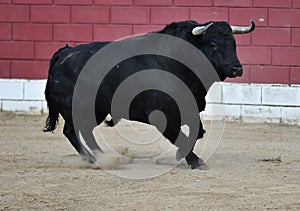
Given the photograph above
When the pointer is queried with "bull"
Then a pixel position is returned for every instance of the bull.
(214, 39)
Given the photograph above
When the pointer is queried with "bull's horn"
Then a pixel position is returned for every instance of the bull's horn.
(200, 29)
(243, 29)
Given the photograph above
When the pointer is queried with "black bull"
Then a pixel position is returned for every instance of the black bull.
(214, 39)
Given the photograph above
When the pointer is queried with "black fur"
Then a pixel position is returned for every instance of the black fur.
(217, 43)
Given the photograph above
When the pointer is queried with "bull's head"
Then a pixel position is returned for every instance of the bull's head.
(235, 29)
(217, 42)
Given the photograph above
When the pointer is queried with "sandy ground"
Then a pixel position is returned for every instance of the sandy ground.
(41, 171)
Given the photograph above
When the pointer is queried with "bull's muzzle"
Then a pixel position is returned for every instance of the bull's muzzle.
(237, 71)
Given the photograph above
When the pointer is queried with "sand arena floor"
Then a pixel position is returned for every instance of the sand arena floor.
(256, 167)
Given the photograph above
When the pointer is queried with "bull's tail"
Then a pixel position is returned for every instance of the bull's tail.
(52, 118)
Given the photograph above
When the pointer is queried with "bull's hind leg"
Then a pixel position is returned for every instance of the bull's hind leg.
(69, 132)
(88, 136)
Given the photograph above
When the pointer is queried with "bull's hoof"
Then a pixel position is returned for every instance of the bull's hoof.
(199, 164)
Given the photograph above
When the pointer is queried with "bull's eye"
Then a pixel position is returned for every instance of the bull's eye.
(213, 45)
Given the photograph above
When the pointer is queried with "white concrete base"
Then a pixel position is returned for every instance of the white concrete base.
(22, 95)
(230, 101)
(254, 103)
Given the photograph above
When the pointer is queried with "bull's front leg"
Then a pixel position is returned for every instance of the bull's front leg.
(201, 131)
(185, 150)
(186, 145)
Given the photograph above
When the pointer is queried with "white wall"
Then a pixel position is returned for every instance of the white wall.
(254, 103)
(237, 102)
(22, 95)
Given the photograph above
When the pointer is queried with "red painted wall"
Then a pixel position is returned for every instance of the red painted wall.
(32, 30)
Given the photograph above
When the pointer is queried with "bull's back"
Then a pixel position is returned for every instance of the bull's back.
(65, 67)
(69, 61)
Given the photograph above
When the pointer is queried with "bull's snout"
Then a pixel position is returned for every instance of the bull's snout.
(237, 71)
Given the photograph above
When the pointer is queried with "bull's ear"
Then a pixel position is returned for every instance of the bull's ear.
(201, 29)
